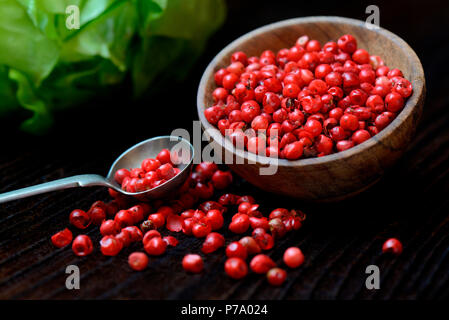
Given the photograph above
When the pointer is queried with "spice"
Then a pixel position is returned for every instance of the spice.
(193, 263)
(236, 268)
(82, 245)
(393, 246)
(138, 261)
(62, 238)
(276, 276)
(194, 217)
(281, 104)
(293, 257)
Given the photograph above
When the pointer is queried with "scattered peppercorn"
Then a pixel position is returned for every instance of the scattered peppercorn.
(393, 246)
(276, 276)
(193, 263)
(293, 257)
(138, 261)
(129, 222)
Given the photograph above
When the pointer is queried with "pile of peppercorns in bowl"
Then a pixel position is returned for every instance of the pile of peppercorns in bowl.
(306, 101)
(123, 221)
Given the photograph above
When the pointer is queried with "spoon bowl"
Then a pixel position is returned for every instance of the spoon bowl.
(182, 155)
(133, 157)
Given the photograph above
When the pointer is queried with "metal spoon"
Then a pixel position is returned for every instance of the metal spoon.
(131, 158)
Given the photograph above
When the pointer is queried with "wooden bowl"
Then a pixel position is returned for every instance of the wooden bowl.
(343, 174)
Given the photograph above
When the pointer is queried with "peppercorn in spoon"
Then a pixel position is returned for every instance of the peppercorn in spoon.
(181, 150)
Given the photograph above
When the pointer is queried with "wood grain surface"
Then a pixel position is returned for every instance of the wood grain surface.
(339, 240)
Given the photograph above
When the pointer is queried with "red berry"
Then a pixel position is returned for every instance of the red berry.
(236, 67)
(361, 56)
(344, 145)
(240, 224)
(166, 171)
(97, 215)
(236, 268)
(192, 263)
(206, 169)
(367, 75)
(350, 80)
(244, 207)
(125, 237)
(403, 87)
(201, 229)
(137, 173)
(383, 120)
(347, 43)
(393, 246)
(221, 179)
(220, 94)
(139, 212)
(62, 238)
(174, 223)
(334, 79)
(250, 245)
(236, 249)
(164, 156)
(318, 87)
(149, 235)
(313, 45)
(324, 144)
(394, 102)
(155, 246)
(82, 245)
(138, 261)
(276, 276)
(259, 223)
(158, 220)
(204, 190)
(277, 228)
(314, 127)
(213, 242)
(261, 264)
(293, 257)
(229, 81)
(219, 76)
(215, 219)
(109, 227)
(79, 219)
(264, 240)
(110, 246)
(349, 122)
(136, 234)
(291, 90)
(239, 56)
(124, 218)
(165, 211)
(294, 150)
(360, 136)
(150, 164)
(170, 241)
(187, 225)
(322, 71)
(120, 175)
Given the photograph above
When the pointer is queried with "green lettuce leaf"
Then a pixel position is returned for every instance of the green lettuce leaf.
(47, 68)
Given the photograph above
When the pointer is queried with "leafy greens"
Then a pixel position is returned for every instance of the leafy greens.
(45, 67)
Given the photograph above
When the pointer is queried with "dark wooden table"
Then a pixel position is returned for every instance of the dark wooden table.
(339, 240)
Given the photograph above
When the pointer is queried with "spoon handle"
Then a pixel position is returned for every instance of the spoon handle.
(84, 180)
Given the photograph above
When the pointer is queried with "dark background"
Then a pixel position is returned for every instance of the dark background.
(339, 240)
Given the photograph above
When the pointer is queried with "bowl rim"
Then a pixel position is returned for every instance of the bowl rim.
(418, 82)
